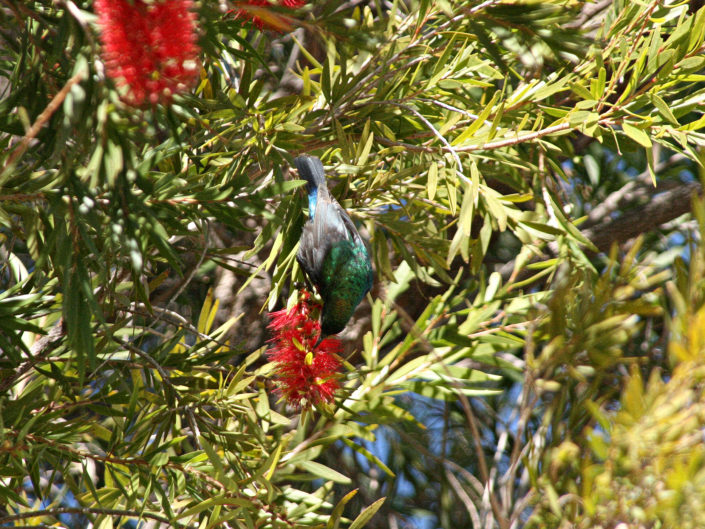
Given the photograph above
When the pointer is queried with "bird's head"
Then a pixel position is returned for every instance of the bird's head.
(333, 321)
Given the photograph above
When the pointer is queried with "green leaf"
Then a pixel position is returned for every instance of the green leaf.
(477, 123)
(432, 180)
(365, 145)
(466, 210)
(322, 471)
(494, 206)
(337, 514)
(369, 456)
(367, 514)
(663, 108)
(213, 501)
(637, 135)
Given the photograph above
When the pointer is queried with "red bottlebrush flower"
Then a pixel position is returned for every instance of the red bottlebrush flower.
(266, 18)
(149, 47)
(306, 374)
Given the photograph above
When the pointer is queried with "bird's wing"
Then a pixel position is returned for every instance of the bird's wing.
(310, 255)
(328, 227)
(353, 234)
(329, 224)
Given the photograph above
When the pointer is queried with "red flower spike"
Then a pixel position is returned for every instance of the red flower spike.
(269, 19)
(306, 374)
(149, 47)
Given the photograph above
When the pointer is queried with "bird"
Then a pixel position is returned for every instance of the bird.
(331, 252)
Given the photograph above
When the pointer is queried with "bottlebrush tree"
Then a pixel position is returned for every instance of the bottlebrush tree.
(526, 175)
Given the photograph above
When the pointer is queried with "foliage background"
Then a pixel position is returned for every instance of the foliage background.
(523, 360)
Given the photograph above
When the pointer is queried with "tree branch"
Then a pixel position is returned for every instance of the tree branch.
(86, 511)
(628, 192)
(38, 351)
(662, 208)
(41, 120)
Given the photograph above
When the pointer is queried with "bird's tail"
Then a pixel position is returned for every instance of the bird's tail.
(311, 169)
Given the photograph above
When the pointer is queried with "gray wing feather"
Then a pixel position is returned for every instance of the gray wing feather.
(327, 228)
(330, 225)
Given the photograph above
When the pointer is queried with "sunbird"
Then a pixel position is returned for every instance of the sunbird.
(331, 253)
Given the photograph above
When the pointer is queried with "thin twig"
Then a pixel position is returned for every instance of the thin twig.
(86, 511)
(433, 129)
(613, 201)
(195, 269)
(191, 418)
(46, 114)
(37, 352)
(464, 498)
(470, 416)
(481, 6)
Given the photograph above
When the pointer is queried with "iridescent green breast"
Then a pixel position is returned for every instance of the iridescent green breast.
(347, 277)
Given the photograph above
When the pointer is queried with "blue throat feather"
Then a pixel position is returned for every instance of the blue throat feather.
(312, 198)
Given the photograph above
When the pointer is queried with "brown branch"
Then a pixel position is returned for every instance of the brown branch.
(589, 14)
(86, 511)
(630, 192)
(38, 351)
(662, 208)
(46, 114)
(408, 325)
(213, 482)
(126, 461)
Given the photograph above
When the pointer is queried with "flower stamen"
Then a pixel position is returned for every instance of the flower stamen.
(306, 373)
